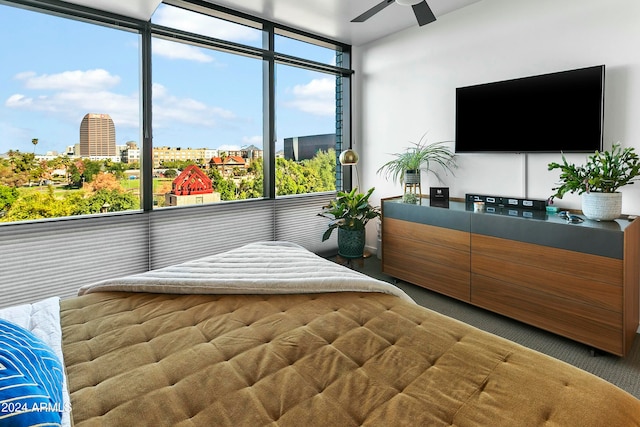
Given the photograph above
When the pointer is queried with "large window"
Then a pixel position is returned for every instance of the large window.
(208, 124)
(306, 130)
(70, 107)
(240, 109)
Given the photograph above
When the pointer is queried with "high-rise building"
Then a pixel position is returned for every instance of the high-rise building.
(97, 136)
(305, 147)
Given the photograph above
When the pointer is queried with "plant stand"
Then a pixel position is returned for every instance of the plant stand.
(352, 263)
(414, 188)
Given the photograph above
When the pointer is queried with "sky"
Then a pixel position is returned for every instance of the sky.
(53, 71)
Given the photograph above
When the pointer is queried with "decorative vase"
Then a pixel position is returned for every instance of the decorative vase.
(602, 206)
(351, 243)
(412, 177)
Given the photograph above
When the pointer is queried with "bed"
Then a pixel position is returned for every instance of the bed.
(271, 334)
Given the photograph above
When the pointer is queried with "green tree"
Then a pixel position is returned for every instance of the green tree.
(8, 196)
(177, 164)
(91, 169)
(117, 201)
(38, 205)
(115, 168)
(75, 172)
(323, 167)
(84, 170)
(22, 166)
(290, 177)
(170, 173)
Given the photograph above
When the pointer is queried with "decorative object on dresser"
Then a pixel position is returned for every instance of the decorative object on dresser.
(439, 197)
(349, 212)
(598, 181)
(406, 167)
(410, 198)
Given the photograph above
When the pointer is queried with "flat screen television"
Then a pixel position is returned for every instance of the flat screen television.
(557, 112)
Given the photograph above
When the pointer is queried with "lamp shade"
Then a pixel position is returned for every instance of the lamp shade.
(348, 157)
(408, 2)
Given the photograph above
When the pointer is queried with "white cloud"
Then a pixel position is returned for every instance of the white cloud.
(168, 108)
(316, 97)
(202, 24)
(90, 92)
(173, 50)
(18, 100)
(69, 80)
(123, 109)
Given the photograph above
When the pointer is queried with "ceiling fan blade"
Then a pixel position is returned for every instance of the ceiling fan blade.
(375, 9)
(423, 13)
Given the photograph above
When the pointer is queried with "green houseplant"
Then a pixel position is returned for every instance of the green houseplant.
(598, 180)
(349, 212)
(419, 157)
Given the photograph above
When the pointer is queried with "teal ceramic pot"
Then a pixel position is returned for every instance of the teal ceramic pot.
(351, 243)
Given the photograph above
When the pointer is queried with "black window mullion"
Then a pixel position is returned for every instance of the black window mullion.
(146, 163)
(269, 114)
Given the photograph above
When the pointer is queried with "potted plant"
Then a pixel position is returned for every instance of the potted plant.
(598, 181)
(349, 213)
(406, 166)
(410, 198)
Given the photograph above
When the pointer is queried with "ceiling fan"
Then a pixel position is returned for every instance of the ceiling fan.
(421, 9)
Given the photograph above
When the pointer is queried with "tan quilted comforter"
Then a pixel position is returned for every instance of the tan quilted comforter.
(312, 359)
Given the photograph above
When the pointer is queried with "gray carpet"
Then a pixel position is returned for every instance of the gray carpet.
(623, 372)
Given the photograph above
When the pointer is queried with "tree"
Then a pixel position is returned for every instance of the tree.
(91, 169)
(170, 173)
(34, 141)
(22, 167)
(8, 195)
(177, 164)
(115, 168)
(75, 173)
(104, 181)
(38, 205)
(117, 201)
(323, 166)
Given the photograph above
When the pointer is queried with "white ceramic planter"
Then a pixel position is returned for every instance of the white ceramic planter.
(602, 206)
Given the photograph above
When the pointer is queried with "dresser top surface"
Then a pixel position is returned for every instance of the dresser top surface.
(523, 214)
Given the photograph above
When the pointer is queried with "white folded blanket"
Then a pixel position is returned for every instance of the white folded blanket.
(256, 268)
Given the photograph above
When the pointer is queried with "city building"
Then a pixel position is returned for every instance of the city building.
(306, 147)
(191, 187)
(98, 137)
(227, 164)
(175, 154)
(130, 153)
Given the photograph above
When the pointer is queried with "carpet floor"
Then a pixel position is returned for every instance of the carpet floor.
(621, 371)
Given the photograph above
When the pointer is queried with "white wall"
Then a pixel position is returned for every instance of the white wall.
(405, 86)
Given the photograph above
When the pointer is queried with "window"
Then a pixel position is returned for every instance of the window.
(70, 121)
(237, 104)
(211, 118)
(306, 129)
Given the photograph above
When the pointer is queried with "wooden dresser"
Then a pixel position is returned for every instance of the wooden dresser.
(577, 280)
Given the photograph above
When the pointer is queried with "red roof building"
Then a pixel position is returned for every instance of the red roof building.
(192, 181)
(226, 165)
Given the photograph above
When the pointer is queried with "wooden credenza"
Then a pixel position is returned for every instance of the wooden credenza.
(576, 280)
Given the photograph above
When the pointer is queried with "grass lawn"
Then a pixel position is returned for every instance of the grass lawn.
(130, 185)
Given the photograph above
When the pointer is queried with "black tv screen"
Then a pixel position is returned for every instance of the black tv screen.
(554, 112)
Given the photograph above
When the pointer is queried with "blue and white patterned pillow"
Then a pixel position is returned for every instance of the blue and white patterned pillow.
(31, 377)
